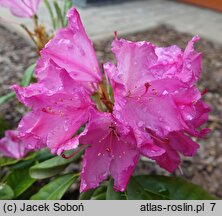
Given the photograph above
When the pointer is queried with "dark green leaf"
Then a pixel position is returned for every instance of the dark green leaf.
(3, 127)
(173, 188)
(6, 193)
(43, 155)
(56, 188)
(52, 166)
(99, 193)
(135, 191)
(113, 195)
(27, 77)
(101, 196)
(86, 195)
(32, 158)
(99, 190)
(19, 181)
(29, 159)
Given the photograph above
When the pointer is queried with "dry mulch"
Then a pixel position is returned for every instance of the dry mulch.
(205, 168)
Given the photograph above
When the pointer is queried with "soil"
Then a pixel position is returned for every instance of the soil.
(205, 168)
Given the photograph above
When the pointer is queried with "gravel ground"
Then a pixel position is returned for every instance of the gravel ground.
(205, 168)
(15, 56)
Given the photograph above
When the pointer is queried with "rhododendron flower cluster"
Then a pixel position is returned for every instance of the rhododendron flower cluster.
(21, 8)
(147, 104)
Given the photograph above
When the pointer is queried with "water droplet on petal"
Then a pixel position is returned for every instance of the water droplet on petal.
(165, 92)
(137, 131)
(140, 123)
(118, 116)
(189, 117)
(182, 107)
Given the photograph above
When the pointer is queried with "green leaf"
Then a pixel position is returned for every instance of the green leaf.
(3, 127)
(99, 193)
(32, 158)
(86, 195)
(56, 188)
(101, 196)
(95, 194)
(27, 77)
(113, 195)
(67, 5)
(5, 98)
(5, 161)
(6, 193)
(135, 191)
(29, 159)
(52, 166)
(43, 155)
(19, 181)
(173, 188)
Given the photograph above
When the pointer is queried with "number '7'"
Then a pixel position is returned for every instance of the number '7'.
(213, 205)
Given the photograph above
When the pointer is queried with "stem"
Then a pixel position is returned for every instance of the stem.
(30, 35)
(67, 5)
(98, 102)
(35, 19)
(58, 12)
(50, 13)
(105, 97)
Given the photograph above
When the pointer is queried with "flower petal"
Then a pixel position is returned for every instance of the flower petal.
(170, 159)
(125, 158)
(21, 8)
(72, 50)
(182, 143)
(111, 150)
(134, 60)
(12, 146)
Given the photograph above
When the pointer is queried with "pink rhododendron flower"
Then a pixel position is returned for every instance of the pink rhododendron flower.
(21, 8)
(12, 146)
(72, 50)
(111, 150)
(155, 92)
(59, 108)
(156, 107)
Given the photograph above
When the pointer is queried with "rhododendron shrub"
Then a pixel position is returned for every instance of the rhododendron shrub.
(147, 104)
